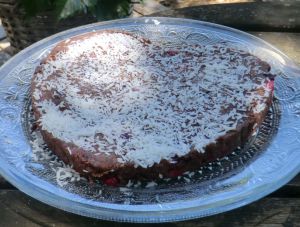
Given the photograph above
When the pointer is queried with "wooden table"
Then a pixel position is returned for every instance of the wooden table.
(281, 208)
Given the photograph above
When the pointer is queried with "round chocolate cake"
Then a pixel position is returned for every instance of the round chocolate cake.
(118, 107)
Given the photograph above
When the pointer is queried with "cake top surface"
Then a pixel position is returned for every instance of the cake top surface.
(116, 93)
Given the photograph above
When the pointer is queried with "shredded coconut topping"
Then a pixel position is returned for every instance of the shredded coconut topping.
(115, 93)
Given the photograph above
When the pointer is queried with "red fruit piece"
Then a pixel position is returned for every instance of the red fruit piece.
(270, 85)
(111, 181)
(175, 173)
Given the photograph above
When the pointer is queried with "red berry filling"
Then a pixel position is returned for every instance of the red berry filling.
(111, 181)
(175, 173)
(270, 85)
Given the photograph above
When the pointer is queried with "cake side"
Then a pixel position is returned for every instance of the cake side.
(179, 71)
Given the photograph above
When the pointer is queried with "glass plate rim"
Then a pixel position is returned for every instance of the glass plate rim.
(13, 179)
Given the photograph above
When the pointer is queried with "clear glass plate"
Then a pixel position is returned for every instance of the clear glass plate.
(269, 160)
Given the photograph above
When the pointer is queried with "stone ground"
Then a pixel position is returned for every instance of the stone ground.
(3, 55)
(153, 6)
(4, 44)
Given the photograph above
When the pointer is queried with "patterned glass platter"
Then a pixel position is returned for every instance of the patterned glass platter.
(269, 159)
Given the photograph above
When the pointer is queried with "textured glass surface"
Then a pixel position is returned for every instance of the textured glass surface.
(269, 160)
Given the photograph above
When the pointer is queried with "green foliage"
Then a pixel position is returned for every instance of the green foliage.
(107, 9)
(31, 7)
(61, 9)
(71, 7)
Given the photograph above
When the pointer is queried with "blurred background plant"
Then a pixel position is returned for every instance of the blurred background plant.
(62, 9)
(28, 21)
